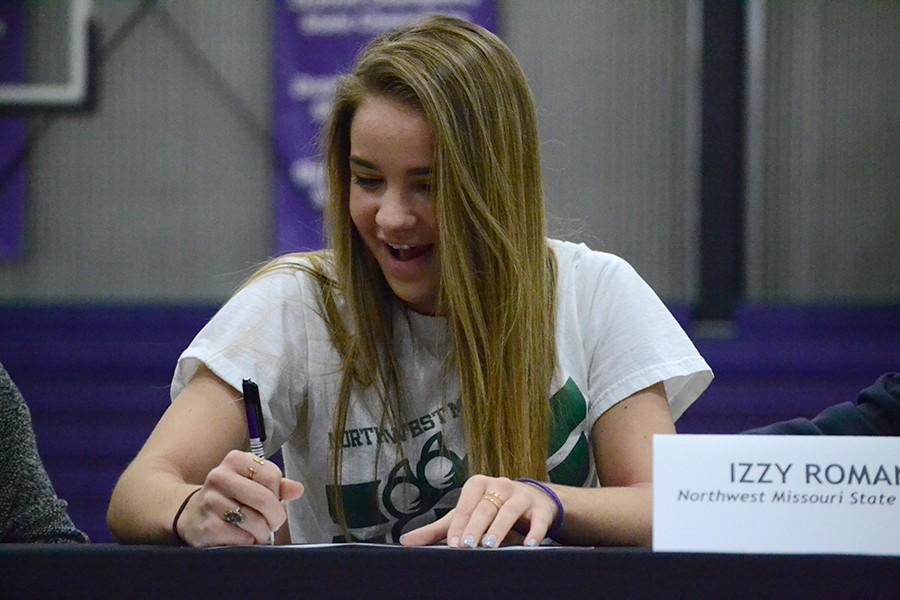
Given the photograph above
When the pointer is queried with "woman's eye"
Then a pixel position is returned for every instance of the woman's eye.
(366, 183)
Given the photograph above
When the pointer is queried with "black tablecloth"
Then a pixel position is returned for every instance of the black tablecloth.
(111, 571)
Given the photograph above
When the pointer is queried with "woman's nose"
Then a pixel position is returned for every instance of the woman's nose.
(394, 213)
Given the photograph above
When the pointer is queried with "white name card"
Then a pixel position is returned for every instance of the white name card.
(776, 494)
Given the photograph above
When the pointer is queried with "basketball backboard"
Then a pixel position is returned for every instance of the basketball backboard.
(69, 85)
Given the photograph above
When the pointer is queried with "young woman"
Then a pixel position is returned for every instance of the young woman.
(443, 373)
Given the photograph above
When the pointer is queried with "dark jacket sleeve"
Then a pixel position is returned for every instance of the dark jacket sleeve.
(29, 508)
(875, 412)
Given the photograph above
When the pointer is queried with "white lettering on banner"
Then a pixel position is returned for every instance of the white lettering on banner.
(776, 494)
(370, 23)
(378, 22)
(320, 109)
(304, 86)
(318, 90)
(325, 24)
(301, 5)
(426, 3)
(313, 5)
(309, 174)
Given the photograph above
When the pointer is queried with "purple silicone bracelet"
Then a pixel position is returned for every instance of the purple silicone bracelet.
(553, 533)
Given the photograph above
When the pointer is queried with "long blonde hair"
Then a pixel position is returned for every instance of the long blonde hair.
(497, 274)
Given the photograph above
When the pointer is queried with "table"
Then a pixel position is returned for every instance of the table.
(371, 572)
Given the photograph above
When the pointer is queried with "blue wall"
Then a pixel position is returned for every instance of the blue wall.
(96, 379)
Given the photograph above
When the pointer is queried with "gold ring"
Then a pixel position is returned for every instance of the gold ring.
(494, 499)
(234, 516)
(258, 460)
(252, 473)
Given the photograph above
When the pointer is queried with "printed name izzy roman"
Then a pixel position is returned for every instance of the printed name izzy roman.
(813, 473)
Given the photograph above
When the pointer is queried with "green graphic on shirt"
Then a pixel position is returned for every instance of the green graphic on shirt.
(408, 493)
(437, 472)
(574, 470)
(360, 504)
(569, 410)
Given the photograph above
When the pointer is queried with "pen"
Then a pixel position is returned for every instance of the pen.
(256, 429)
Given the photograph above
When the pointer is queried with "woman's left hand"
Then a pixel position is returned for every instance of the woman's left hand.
(488, 510)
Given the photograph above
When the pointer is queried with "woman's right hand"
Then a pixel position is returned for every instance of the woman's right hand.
(204, 423)
(241, 502)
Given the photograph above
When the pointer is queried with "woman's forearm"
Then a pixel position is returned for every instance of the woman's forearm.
(144, 502)
(610, 516)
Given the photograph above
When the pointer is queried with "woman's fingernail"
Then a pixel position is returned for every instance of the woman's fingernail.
(454, 542)
(531, 542)
(402, 537)
(489, 541)
(469, 541)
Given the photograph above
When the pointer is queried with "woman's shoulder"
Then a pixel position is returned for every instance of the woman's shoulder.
(317, 265)
(592, 277)
(306, 273)
(578, 259)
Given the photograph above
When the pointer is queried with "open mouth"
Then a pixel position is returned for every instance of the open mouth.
(404, 252)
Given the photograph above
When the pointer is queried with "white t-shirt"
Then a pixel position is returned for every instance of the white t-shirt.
(614, 337)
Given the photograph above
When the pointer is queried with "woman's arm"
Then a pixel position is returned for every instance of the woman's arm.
(620, 513)
(194, 446)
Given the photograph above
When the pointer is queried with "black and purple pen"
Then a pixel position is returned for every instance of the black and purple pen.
(255, 427)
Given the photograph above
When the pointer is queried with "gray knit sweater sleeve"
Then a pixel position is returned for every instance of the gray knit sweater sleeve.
(29, 508)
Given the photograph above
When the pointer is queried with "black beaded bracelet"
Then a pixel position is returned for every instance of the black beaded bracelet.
(553, 532)
(178, 514)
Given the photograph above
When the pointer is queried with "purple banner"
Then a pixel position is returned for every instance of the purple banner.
(315, 41)
(13, 133)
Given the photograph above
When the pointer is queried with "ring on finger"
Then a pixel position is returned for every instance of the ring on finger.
(494, 499)
(252, 473)
(258, 460)
(233, 516)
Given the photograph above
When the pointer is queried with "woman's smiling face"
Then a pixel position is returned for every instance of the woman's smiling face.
(390, 197)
